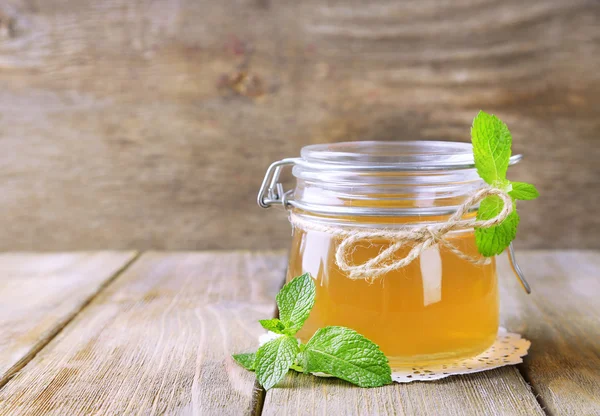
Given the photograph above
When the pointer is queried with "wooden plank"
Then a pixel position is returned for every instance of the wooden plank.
(40, 294)
(151, 96)
(498, 392)
(157, 341)
(562, 319)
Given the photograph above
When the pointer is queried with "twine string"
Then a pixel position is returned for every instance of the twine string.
(419, 238)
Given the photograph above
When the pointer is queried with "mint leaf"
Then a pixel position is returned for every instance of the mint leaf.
(245, 360)
(274, 325)
(295, 300)
(493, 240)
(297, 368)
(523, 191)
(491, 147)
(273, 360)
(344, 353)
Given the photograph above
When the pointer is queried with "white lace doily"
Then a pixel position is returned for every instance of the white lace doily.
(509, 349)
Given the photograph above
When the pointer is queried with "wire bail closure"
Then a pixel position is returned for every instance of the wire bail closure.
(271, 190)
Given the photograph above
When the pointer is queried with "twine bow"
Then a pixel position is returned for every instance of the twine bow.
(419, 238)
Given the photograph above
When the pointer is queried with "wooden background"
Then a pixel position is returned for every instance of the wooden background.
(149, 124)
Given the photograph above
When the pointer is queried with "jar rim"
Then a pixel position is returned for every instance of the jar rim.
(391, 156)
(375, 178)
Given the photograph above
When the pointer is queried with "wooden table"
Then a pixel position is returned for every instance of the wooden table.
(117, 333)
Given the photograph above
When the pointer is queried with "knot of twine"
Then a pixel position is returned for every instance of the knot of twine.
(420, 238)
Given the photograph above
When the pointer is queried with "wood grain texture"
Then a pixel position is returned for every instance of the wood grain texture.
(40, 294)
(562, 319)
(149, 124)
(497, 392)
(157, 341)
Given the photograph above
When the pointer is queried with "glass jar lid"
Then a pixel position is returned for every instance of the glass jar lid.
(403, 178)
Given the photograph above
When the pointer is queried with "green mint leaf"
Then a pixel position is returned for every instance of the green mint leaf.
(523, 191)
(297, 367)
(493, 240)
(491, 147)
(344, 353)
(245, 360)
(295, 301)
(273, 325)
(273, 360)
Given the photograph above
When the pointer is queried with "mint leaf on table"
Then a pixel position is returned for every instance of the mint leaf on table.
(344, 353)
(491, 147)
(297, 368)
(295, 301)
(245, 360)
(273, 325)
(523, 191)
(273, 360)
(493, 240)
(335, 350)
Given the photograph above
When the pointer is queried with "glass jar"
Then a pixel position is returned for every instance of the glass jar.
(441, 306)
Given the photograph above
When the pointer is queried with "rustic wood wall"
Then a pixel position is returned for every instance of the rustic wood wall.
(149, 124)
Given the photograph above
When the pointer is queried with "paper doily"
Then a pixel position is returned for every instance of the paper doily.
(508, 349)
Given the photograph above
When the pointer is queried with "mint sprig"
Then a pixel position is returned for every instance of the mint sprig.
(523, 191)
(273, 325)
(493, 240)
(334, 350)
(491, 150)
(346, 354)
(295, 301)
(273, 360)
(246, 360)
